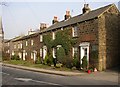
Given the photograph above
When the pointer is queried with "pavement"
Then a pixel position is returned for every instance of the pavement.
(62, 73)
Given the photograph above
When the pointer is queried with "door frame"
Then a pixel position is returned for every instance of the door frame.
(83, 46)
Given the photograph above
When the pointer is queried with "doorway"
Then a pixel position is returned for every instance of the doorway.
(84, 51)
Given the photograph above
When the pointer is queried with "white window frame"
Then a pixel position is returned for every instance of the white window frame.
(53, 35)
(26, 53)
(54, 53)
(41, 38)
(31, 55)
(18, 45)
(14, 46)
(21, 45)
(41, 52)
(26, 43)
(75, 31)
(8, 44)
(32, 42)
(73, 51)
(8, 51)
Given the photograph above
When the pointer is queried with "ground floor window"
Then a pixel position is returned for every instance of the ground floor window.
(74, 51)
(40, 52)
(31, 55)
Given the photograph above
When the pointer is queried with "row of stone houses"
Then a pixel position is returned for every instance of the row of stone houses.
(94, 31)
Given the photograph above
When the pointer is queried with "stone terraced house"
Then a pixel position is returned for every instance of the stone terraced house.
(94, 31)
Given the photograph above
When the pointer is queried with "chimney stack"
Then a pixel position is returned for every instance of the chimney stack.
(67, 15)
(86, 8)
(43, 26)
(55, 20)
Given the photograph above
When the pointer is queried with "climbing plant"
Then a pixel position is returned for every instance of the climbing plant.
(47, 40)
(63, 38)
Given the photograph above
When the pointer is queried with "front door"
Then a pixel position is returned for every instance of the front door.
(23, 54)
(44, 52)
(84, 51)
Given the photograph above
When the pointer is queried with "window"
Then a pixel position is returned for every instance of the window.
(21, 45)
(31, 42)
(75, 31)
(40, 52)
(8, 51)
(53, 35)
(8, 44)
(18, 45)
(54, 53)
(31, 55)
(41, 38)
(13, 52)
(26, 43)
(75, 51)
(26, 53)
(14, 46)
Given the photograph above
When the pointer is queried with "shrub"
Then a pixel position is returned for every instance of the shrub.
(68, 62)
(15, 57)
(61, 55)
(76, 62)
(38, 61)
(84, 62)
(93, 59)
(50, 60)
(45, 60)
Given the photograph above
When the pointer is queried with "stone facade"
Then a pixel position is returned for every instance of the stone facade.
(100, 33)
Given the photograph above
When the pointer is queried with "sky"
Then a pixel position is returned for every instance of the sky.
(18, 17)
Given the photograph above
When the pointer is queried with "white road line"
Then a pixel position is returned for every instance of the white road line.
(27, 79)
(4, 73)
(23, 79)
(49, 83)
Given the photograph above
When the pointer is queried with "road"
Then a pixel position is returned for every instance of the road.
(14, 76)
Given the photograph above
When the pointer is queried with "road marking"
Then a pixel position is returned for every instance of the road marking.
(23, 79)
(49, 83)
(27, 79)
(4, 73)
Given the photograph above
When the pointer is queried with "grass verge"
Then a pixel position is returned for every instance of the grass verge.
(29, 64)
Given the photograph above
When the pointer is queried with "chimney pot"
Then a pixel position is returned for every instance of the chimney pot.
(55, 20)
(86, 8)
(67, 15)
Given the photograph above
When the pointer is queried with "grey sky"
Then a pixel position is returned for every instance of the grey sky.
(19, 17)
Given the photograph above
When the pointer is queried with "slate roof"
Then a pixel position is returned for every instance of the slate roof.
(76, 19)
(79, 18)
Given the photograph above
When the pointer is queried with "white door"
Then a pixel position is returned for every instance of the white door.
(84, 51)
(44, 51)
(34, 56)
(20, 55)
(24, 54)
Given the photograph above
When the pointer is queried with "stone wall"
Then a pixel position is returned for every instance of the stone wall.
(108, 39)
(112, 38)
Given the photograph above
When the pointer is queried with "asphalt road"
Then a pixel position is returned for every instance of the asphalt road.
(14, 76)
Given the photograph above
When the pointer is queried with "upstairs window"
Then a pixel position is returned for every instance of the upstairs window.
(14, 46)
(53, 35)
(75, 31)
(31, 42)
(18, 45)
(41, 38)
(8, 44)
(26, 43)
(21, 45)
